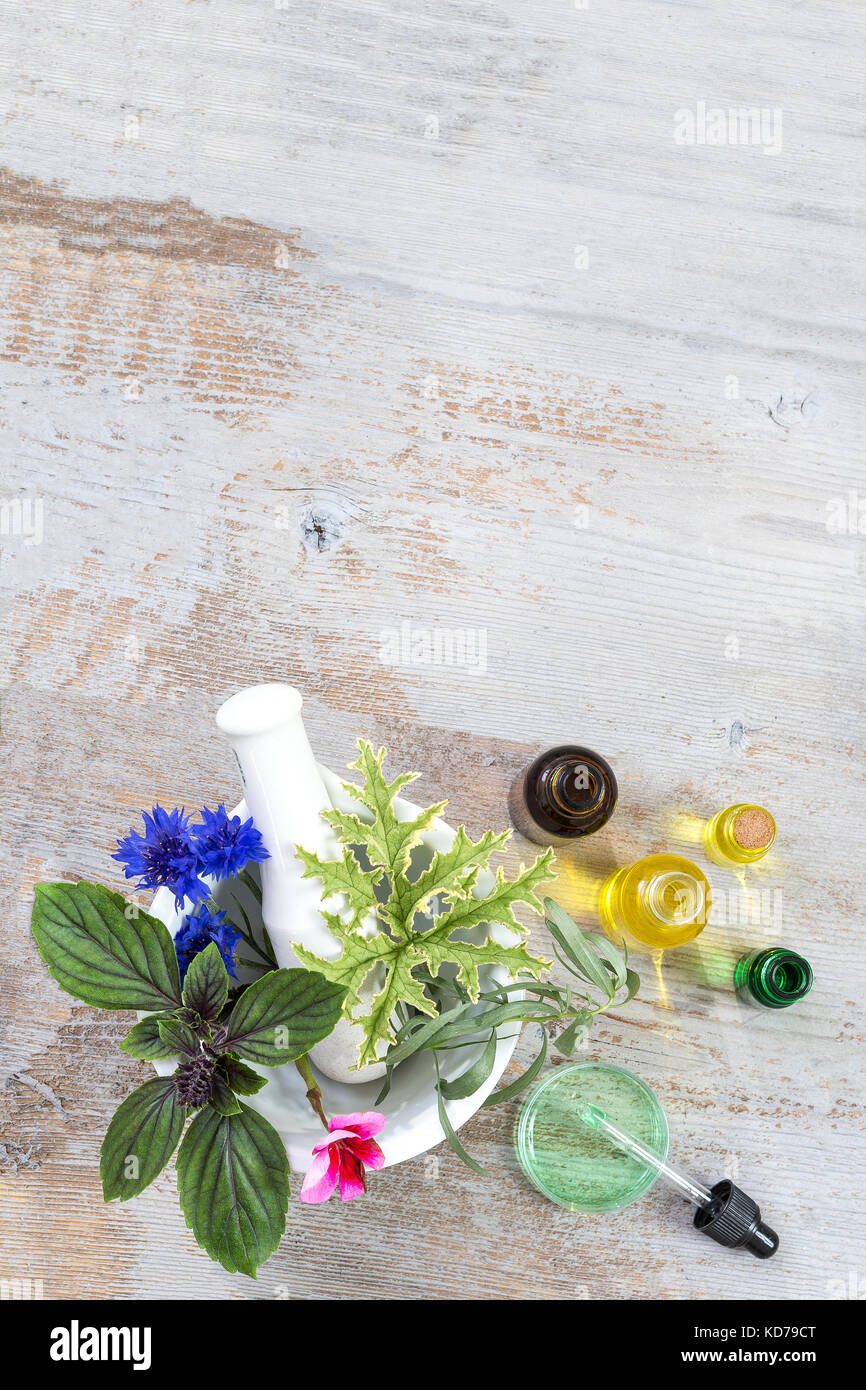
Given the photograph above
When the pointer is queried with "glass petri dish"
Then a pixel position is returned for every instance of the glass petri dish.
(572, 1164)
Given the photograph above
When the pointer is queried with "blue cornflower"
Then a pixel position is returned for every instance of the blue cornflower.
(163, 855)
(198, 932)
(225, 844)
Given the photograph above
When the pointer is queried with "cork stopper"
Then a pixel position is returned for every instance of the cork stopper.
(754, 828)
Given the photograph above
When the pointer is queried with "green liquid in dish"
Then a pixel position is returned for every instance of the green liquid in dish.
(571, 1163)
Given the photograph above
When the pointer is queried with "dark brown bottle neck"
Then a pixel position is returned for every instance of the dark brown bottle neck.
(570, 791)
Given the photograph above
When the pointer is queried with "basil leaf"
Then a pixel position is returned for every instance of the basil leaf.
(222, 1098)
(143, 1039)
(141, 1138)
(178, 1036)
(233, 1183)
(241, 1078)
(206, 985)
(468, 1082)
(99, 955)
(282, 1015)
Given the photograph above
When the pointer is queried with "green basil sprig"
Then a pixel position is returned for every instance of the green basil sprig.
(232, 1170)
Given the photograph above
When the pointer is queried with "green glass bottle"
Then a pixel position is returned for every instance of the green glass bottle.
(774, 977)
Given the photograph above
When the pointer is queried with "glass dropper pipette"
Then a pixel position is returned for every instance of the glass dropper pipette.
(724, 1212)
(690, 1187)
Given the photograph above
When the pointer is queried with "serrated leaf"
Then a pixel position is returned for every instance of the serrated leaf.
(143, 1040)
(440, 950)
(141, 1138)
(280, 1016)
(206, 986)
(233, 1184)
(503, 897)
(360, 956)
(400, 985)
(97, 954)
(401, 954)
(345, 876)
(178, 1036)
(452, 872)
(241, 1078)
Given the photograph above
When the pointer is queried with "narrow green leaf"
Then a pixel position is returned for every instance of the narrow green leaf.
(141, 1138)
(246, 878)
(233, 1184)
(632, 981)
(143, 1039)
(206, 985)
(468, 1082)
(449, 1128)
(423, 1035)
(610, 954)
(99, 955)
(178, 1036)
(572, 941)
(282, 1015)
(509, 1092)
(524, 1010)
(241, 1078)
(571, 1037)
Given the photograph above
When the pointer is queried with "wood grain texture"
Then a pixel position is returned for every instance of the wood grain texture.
(296, 346)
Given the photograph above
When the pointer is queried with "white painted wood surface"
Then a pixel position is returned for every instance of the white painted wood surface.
(298, 344)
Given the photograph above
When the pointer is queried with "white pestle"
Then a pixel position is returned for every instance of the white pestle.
(285, 794)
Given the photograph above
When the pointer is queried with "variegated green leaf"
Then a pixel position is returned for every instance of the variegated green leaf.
(345, 876)
(444, 889)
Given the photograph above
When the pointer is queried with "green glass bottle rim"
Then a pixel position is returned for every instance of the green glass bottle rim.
(571, 1164)
(783, 974)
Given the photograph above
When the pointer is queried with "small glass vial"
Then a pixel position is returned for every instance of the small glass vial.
(661, 901)
(774, 977)
(565, 793)
(740, 834)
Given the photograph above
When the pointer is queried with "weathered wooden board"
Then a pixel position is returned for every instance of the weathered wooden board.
(318, 319)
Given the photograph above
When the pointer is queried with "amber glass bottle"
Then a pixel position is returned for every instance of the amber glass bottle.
(565, 793)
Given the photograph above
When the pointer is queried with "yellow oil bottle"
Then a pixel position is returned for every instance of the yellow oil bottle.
(740, 834)
(661, 901)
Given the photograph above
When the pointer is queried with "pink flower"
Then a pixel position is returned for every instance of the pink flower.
(342, 1157)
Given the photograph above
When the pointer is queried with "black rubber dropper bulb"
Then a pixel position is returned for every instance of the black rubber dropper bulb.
(733, 1218)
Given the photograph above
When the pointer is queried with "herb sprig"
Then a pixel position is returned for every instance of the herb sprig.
(232, 1169)
(566, 1016)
